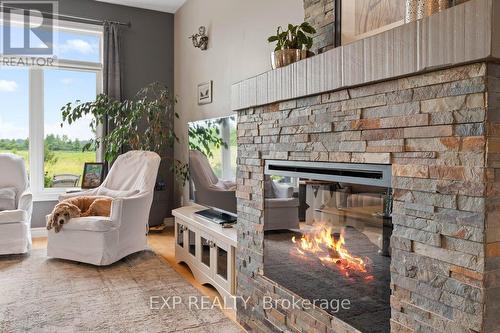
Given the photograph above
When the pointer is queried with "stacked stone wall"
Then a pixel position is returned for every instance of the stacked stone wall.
(443, 142)
(321, 15)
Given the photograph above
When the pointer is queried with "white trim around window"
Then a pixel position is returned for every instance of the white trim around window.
(37, 135)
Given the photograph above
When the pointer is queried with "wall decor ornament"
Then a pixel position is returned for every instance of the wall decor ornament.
(200, 40)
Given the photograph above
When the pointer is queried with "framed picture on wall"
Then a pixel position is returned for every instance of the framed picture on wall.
(93, 175)
(205, 93)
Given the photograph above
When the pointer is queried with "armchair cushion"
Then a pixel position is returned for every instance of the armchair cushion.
(226, 185)
(91, 223)
(13, 216)
(7, 198)
(25, 202)
(282, 203)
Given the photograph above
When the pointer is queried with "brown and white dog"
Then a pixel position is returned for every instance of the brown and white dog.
(78, 207)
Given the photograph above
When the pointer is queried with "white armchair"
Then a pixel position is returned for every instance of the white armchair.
(15, 221)
(104, 240)
(209, 190)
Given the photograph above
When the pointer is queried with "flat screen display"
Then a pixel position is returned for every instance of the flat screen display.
(215, 139)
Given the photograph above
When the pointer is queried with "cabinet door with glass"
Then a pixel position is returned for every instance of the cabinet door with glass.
(223, 262)
(206, 245)
(191, 242)
(180, 236)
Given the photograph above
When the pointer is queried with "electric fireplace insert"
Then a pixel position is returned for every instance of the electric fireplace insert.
(327, 237)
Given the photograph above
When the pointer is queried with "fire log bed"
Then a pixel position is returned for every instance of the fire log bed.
(310, 278)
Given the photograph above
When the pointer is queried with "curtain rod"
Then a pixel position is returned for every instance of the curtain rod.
(74, 18)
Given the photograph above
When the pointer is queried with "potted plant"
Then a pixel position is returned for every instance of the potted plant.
(292, 45)
(143, 123)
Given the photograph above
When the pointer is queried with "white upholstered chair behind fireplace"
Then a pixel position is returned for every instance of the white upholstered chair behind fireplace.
(17, 205)
(282, 209)
(105, 240)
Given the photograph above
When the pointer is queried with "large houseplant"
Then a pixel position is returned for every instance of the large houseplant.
(292, 45)
(143, 123)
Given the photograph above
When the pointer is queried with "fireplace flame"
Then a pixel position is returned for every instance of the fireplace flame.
(331, 251)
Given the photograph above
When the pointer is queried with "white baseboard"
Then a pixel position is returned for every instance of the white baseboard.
(38, 232)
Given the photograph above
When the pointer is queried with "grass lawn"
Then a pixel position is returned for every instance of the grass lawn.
(68, 162)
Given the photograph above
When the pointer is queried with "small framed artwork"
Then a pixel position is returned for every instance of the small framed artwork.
(93, 175)
(205, 93)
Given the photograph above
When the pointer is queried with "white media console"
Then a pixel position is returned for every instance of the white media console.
(208, 249)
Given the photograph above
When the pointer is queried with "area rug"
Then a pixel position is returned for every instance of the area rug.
(38, 294)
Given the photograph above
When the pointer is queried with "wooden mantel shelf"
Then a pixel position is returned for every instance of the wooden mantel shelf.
(462, 34)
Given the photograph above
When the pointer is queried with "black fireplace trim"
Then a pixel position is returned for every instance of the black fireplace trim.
(337, 34)
(335, 172)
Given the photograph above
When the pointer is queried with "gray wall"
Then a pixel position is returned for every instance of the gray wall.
(148, 56)
(147, 47)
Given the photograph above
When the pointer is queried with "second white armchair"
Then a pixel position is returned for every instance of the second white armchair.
(16, 206)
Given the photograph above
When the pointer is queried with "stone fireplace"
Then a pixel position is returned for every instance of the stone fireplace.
(430, 114)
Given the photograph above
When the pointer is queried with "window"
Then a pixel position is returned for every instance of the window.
(223, 159)
(14, 112)
(30, 109)
(64, 158)
(78, 47)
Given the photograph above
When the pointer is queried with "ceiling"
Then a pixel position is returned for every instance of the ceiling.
(168, 6)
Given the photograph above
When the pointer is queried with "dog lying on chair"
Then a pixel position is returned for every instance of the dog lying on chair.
(78, 207)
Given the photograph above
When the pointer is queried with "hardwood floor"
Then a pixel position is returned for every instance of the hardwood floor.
(163, 244)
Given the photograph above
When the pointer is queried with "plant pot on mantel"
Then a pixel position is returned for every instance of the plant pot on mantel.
(285, 57)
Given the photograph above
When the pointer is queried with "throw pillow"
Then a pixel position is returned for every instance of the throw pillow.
(8, 198)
